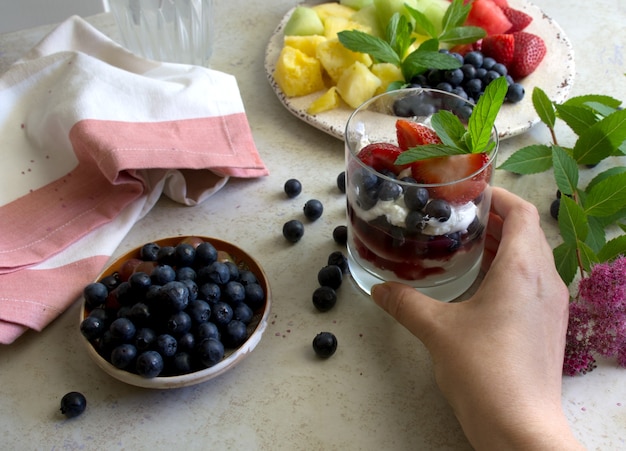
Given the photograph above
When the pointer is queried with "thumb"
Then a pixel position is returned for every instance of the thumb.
(414, 310)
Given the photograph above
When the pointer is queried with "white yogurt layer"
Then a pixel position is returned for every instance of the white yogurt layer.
(396, 212)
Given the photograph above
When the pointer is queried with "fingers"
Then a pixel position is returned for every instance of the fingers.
(412, 309)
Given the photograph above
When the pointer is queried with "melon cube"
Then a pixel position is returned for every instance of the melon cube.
(306, 44)
(333, 9)
(357, 84)
(387, 73)
(304, 21)
(334, 25)
(335, 58)
(298, 74)
(327, 101)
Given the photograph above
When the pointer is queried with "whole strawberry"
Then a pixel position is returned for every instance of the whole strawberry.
(519, 19)
(500, 47)
(528, 54)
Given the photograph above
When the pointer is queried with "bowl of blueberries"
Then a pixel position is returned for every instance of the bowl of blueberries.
(175, 312)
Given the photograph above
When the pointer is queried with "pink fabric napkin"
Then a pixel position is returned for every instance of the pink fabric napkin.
(90, 137)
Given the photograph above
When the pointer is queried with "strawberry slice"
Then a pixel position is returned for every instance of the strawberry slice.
(411, 134)
(500, 47)
(381, 157)
(529, 52)
(519, 19)
(448, 169)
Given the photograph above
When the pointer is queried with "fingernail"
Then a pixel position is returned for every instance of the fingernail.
(380, 293)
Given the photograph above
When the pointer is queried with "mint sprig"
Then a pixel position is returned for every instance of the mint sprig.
(399, 38)
(586, 213)
(455, 138)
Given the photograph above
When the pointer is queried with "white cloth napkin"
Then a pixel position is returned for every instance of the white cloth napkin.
(90, 137)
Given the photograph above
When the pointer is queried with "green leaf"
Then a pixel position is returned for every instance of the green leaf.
(587, 256)
(483, 117)
(420, 60)
(602, 139)
(572, 221)
(544, 107)
(427, 151)
(455, 15)
(588, 99)
(529, 160)
(398, 34)
(578, 118)
(422, 22)
(606, 197)
(565, 171)
(566, 261)
(596, 238)
(613, 249)
(449, 128)
(615, 170)
(462, 35)
(358, 41)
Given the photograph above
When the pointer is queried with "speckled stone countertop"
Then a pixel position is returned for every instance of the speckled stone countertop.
(377, 391)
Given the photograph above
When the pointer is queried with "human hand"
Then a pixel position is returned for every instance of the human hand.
(498, 356)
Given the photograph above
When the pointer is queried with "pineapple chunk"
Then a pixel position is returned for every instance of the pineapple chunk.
(327, 101)
(334, 24)
(306, 44)
(357, 84)
(298, 74)
(333, 9)
(387, 73)
(335, 58)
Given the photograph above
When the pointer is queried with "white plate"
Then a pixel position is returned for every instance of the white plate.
(555, 76)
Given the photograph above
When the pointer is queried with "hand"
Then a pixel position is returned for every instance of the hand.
(498, 357)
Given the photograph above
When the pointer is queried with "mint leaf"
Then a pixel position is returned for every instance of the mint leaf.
(449, 128)
(565, 171)
(420, 60)
(398, 34)
(427, 151)
(572, 221)
(455, 15)
(529, 160)
(566, 261)
(606, 197)
(544, 108)
(358, 41)
(462, 35)
(613, 249)
(483, 117)
(423, 25)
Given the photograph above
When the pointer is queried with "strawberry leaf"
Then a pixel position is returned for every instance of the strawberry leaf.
(483, 117)
(529, 160)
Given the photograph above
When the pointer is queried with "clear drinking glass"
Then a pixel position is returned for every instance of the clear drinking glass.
(393, 237)
(176, 31)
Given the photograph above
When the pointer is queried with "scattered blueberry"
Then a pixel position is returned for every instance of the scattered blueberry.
(73, 404)
(554, 208)
(292, 188)
(324, 298)
(338, 258)
(313, 209)
(293, 230)
(341, 181)
(330, 276)
(325, 344)
(340, 235)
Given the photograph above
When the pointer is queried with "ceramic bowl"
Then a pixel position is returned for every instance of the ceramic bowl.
(232, 357)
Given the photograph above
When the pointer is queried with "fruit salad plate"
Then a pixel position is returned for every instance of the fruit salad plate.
(555, 76)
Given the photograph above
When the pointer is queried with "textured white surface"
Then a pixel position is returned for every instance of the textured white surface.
(377, 391)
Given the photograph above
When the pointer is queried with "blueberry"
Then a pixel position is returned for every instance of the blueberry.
(73, 404)
(186, 342)
(233, 270)
(210, 292)
(313, 209)
(185, 255)
(515, 93)
(179, 323)
(500, 68)
(438, 209)
(111, 282)
(166, 345)
(324, 298)
(167, 255)
(235, 333)
(92, 327)
(192, 287)
(210, 351)
(242, 312)
(293, 230)
(124, 293)
(207, 330)
(415, 221)
(205, 254)
(474, 87)
(460, 91)
(199, 311)
(292, 188)
(139, 314)
(340, 235)
(469, 71)
(444, 86)
(490, 76)
(163, 274)
(175, 295)
(95, 294)
(341, 182)
(454, 241)
(234, 292)
(554, 208)
(149, 252)
(139, 282)
(453, 76)
(325, 344)
(123, 356)
(218, 272)
(145, 338)
(389, 191)
(367, 199)
(488, 63)
(255, 296)
(185, 273)
(415, 198)
(330, 276)
(122, 329)
(221, 313)
(149, 364)
(365, 180)
(474, 58)
(247, 277)
(183, 362)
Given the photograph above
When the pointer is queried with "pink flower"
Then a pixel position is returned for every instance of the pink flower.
(597, 321)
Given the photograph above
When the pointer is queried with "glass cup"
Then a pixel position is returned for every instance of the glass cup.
(175, 31)
(428, 236)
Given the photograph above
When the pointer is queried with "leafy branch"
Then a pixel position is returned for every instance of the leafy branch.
(399, 37)
(586, 213)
